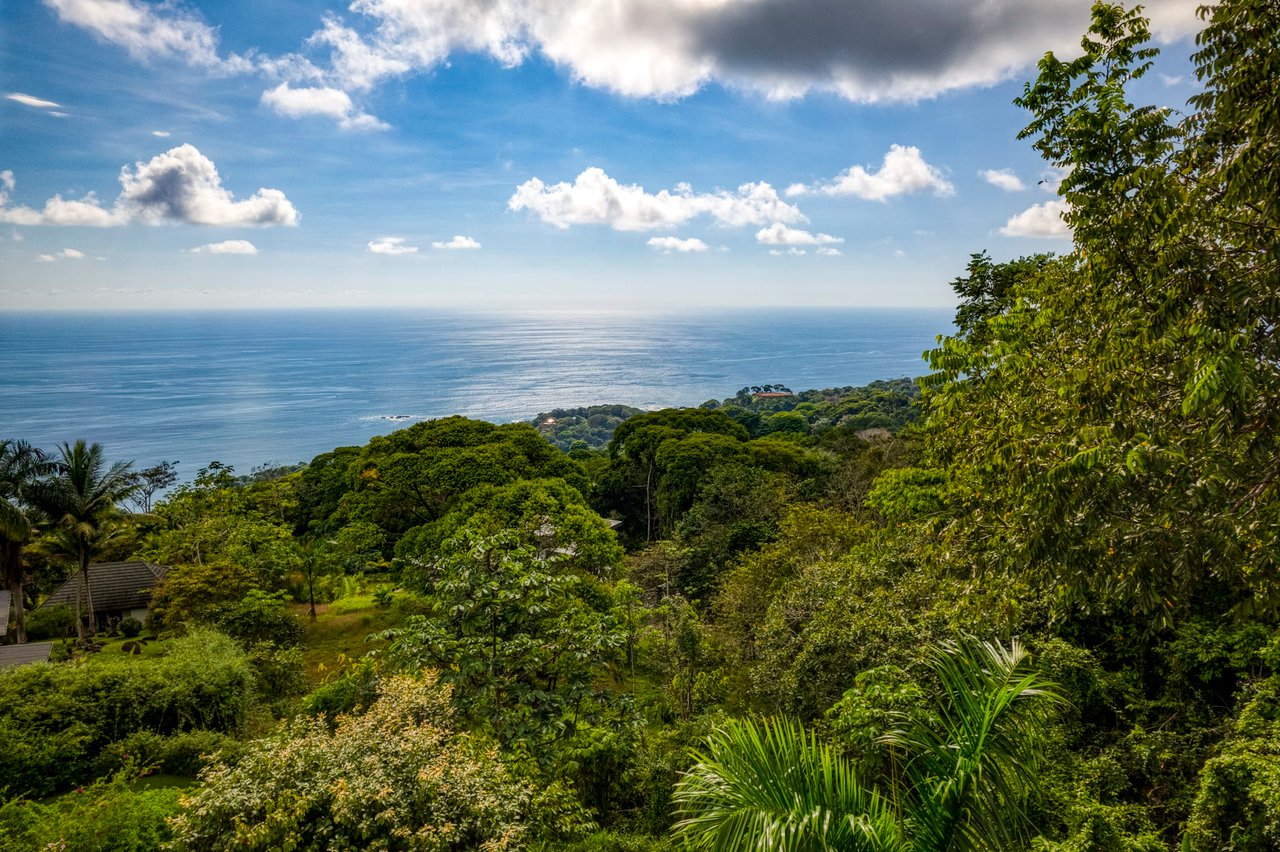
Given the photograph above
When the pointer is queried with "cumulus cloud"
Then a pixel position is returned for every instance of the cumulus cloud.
(594, 198)
(666, 245)
(1040, 220)
(458, 242)
(829, 252)
(903, 172)
(148, 31)
(181, 186)
(1003, 178)
(160, 134)
(779, 234)
(391, 245)
(789, 252)
(872, 51)
(65, 254)
(32, 101)
(227, 247)
(320, 101)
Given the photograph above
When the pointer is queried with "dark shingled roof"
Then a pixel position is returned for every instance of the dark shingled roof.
(115, 586)
(20, 655)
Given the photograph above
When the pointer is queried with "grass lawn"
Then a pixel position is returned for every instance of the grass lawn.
(113, 647)
(338, 634)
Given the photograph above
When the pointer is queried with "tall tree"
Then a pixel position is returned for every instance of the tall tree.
(1111, 430)
(21, 466)
(83, 499)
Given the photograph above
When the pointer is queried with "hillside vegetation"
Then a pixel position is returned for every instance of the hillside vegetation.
(1031, 603)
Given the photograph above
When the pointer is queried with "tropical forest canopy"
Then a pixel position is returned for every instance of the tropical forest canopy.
(1031, 603)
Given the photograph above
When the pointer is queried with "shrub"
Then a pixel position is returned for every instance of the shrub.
(396, 776)
(130, 627)
(109, 815)
(184, 753)
(260, 617)
(55, 720)
(51, 622)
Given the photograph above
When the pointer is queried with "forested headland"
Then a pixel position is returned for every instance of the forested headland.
(1029, 602)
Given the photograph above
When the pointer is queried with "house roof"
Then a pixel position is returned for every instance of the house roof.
(20, 655)
(114, 585)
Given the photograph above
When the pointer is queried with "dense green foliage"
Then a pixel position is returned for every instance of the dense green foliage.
(395, 777)
(747, 616)
(56, 720)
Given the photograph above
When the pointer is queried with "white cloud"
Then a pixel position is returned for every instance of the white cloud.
(903, 172)
(1170, 80)
(32, 100)
(359, 64)
(594, 198)
(65, 254)
(227, 247)
(320, 101)
(181, 185)
(458, 242)
(160, 134)
(779, 234)
(1003, 178)
(390, 245)
(1040, 220)
(148, 31)
(829, 252)
(667, 245)
(876, 50)
(790, 252)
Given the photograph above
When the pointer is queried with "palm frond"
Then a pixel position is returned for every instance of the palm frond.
(969, 777)
(770, 785)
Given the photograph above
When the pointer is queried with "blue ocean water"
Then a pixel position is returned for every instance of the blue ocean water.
(278, 387)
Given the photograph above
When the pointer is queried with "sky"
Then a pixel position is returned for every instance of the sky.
(497, 154)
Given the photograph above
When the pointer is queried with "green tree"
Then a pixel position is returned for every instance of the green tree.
(522, 648)
(83, 498)
(21, 466)
(962, 783)
(1113, 433)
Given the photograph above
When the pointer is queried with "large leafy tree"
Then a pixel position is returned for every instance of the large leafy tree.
(1111, 423)
(82, 499)
(517, 639)
(21, 467)
(960, 779)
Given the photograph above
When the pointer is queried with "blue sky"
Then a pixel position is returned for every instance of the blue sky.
(525, 153)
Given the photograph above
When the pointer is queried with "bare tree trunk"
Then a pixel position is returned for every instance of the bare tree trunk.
(13, 576)
(88, 590)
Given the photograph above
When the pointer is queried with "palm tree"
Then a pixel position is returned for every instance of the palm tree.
(82, 499)
(21, 466)
(959, 785)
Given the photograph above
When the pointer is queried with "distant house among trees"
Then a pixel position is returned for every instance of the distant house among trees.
(118, 590)
(772, 395)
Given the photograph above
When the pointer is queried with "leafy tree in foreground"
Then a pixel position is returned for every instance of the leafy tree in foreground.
(21, 466)
(962, 785)
(1112, 431)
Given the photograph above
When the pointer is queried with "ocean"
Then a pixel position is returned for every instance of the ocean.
(277, 387)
